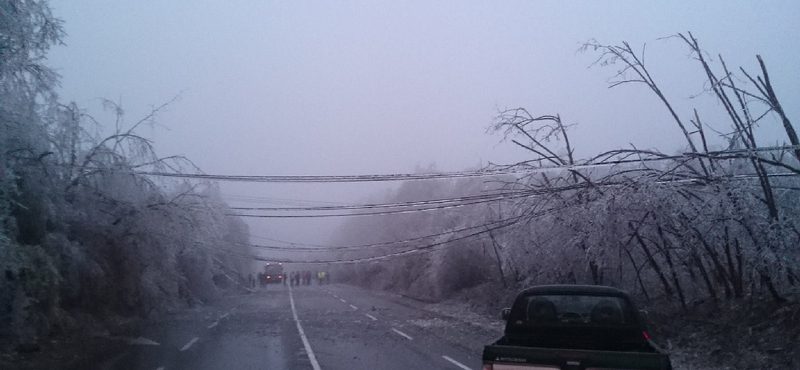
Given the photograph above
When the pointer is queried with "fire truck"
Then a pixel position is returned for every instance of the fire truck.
(273, 273)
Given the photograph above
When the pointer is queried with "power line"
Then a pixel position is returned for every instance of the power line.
(425, 248)
(422, 249)
(446, 206)
(332, 248)
(335, 178)
(482, 197)
(283, 201)
(512, 170)
(529, 193)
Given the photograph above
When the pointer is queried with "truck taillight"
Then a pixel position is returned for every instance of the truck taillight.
(646, 336)
(487, 366)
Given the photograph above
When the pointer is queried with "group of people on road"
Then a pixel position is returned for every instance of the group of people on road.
(304, 277)
(260, 278)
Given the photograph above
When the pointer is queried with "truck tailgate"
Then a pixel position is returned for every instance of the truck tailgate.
(527, 358)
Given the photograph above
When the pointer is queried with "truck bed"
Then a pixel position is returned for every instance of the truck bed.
(524, 358)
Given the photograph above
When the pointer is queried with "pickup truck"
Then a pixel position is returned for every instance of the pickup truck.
(574, 327)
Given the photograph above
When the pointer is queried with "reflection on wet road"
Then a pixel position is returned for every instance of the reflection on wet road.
(308, 327)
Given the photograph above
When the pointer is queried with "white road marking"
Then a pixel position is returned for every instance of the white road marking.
(189, 344)
(160, 368)
(215, 323)
(403, 334)
(309, 352)
(354, 307)
(456, 363)
(371, 317)
(342, 300)
(142, 341)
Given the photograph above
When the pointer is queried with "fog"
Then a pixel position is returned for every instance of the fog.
(301, 88)
(618, 179)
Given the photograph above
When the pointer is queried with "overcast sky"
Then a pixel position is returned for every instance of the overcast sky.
(342, 87)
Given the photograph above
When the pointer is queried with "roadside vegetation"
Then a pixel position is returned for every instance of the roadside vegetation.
(708, 239)
(84, 242)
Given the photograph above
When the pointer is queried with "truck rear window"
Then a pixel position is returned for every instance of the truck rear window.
(577, 310)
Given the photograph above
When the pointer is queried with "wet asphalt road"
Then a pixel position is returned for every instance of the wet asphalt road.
(344, 327)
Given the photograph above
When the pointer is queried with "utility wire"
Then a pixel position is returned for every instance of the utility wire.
(402, 211)
(483, 197)
(361, 247)
(425, 248)
(281, 201)
(511, 170)
(529, 193)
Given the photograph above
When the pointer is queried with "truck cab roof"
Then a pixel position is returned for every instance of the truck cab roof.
(570, 289)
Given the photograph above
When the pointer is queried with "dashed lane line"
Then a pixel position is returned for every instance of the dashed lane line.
(215, 323)
(454, 362)
(342, 300)
(189, 344)
(354, 307)
(142, 341)
(309, 352)
(403, 334)
(160, 368)
(371, 317)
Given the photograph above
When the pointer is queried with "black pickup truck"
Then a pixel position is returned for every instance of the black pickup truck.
(574, 327)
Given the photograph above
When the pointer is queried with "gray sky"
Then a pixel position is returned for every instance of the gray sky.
(312, 88)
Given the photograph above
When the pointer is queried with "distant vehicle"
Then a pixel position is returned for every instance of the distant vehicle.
(273, 273)
(574, 327)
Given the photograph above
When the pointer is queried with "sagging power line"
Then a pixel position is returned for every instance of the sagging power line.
(299, 247)
(421, 249)
(602, 160)
(482, 197)
(521, 194)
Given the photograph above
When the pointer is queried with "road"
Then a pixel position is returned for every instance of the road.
(326, 327)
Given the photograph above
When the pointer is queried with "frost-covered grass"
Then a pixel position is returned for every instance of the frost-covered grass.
(742, 334)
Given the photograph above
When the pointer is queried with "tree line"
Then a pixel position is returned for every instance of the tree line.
(83, 238)
(702, 225)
